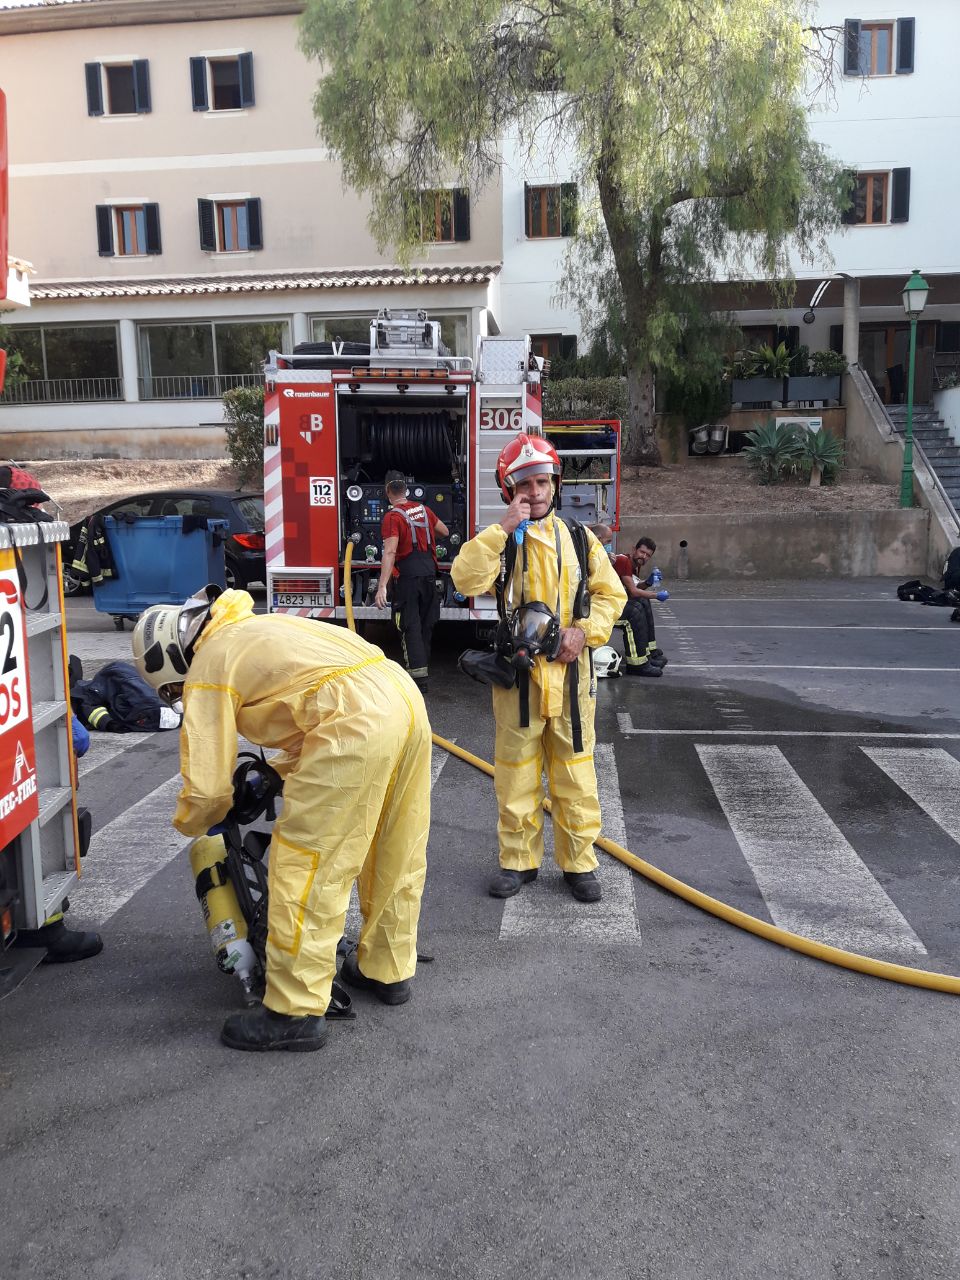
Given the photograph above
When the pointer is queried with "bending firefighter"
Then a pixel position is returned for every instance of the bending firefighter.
(409, 568)
(355, 758)
(554, 613)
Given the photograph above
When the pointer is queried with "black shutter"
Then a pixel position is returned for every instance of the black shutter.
(568, 208)
(526, 209)
(836, 337)
(151, 218)
(789, 335)
(461, 214)
(94, 89)
(948, 335)
(905, 34)
(848, 215)
(105, 230)
(141, 86)
(246, 79)
(900, 201)
(851, 47)
(254, 225)
(208, 226)
(568, 346)
(198, 83)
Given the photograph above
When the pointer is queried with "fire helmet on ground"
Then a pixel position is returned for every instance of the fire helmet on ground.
(606, 661)
(525, 456)
(164, 637)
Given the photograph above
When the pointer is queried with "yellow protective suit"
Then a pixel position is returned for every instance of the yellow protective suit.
(356, 747)
(521, 754)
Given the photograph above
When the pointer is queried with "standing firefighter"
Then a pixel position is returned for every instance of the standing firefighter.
(554, 615)
(355, 745)
(410, 569)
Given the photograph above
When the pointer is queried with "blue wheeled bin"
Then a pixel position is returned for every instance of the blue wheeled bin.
(159, 560)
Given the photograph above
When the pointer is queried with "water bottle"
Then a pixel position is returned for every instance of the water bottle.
(656, 578)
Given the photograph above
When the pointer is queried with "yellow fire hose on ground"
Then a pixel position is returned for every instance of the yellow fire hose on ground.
(901, 973)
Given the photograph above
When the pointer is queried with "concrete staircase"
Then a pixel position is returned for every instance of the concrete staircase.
(934, 438)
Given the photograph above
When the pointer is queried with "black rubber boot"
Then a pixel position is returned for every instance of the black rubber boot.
(258, 1030)
(506, 883)
(584, 885)
(63, 945)
(386, 992)
(648, 669)
(658, 656)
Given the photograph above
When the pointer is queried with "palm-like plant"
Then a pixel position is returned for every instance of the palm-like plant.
(773, 451)
(821, 454)
(770, 362)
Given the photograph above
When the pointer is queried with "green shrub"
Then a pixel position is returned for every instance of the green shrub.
(244, 427)
(827, 364)
(774, 452)
(585, 398)
(821, 456)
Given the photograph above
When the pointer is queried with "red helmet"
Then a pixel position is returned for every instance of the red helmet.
(525, 456)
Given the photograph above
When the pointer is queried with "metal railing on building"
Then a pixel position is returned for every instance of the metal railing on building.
(63, 391)
(195, 386)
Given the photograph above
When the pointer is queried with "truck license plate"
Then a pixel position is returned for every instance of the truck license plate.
(302, 600)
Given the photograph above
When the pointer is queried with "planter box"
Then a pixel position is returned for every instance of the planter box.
(757, 390)
(811, 388)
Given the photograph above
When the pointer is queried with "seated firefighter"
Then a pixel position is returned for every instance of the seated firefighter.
(356, 749)
(643, 657)
(545, 718)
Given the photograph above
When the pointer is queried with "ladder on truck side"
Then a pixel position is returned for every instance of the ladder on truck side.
(505, 406)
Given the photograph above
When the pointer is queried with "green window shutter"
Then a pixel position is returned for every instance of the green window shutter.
(246, 80)
(568, 209)
(461, 214)
(900, 199)
(104, 231)
(141, 86)
(151, 219)
(198, 83)
(851, 47)
(94, 89)
(208, 226)
(254, 225)
(906, 29)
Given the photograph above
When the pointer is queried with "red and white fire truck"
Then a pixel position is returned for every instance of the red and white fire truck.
(339, 415)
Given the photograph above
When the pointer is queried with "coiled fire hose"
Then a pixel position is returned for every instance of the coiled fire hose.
(904, 974)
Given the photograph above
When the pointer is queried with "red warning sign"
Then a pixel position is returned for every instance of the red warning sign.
(19, 797)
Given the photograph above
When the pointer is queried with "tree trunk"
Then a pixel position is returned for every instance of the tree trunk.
(642, 449)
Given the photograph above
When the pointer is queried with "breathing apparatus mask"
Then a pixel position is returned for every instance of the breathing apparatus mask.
(532, 630)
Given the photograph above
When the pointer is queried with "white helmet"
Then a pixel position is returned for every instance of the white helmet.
(606, 661)
(164, 638)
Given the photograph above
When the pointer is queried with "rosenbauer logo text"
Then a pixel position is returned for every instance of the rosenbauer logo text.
(305, 395)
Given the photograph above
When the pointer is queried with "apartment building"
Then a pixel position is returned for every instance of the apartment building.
(183, 218)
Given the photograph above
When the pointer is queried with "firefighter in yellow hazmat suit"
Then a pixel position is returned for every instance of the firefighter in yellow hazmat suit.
(355, 758)
(560, 693)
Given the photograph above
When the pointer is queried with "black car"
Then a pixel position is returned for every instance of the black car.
(245, 560)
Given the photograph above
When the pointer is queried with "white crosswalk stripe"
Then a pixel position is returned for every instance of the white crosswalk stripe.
(931, 778)
(545, 909)
(811, 878)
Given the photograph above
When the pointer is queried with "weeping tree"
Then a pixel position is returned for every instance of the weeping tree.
(685, 118)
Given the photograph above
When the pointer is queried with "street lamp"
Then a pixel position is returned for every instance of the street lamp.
(914, 300)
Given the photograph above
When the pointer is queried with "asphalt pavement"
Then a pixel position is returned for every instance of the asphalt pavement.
(633, 1089)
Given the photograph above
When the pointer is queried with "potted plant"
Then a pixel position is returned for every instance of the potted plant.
(773, 452)
(760, 376)
(823, 381)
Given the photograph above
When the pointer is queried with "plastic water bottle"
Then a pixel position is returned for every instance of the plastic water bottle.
(520, 532)
(656, 578)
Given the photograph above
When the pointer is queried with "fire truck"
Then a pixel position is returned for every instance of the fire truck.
(339, 415)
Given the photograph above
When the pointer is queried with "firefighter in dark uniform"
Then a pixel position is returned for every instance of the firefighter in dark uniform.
(409, 569)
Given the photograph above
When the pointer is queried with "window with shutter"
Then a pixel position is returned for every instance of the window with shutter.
(550, 211)
(94, 89)
(230, 226)
(871, 199)
(905, 41)
(121, 94)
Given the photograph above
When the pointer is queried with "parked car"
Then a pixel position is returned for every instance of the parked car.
(244, 556)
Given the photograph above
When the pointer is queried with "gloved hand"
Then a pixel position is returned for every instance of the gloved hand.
(663, 595)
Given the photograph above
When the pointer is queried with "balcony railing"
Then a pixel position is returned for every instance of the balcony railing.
(63, 391)
(195, 386)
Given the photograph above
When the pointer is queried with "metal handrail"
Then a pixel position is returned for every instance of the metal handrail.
(63, 391)
(195, 386)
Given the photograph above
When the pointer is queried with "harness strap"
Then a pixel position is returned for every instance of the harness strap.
(575, 724)
(523, 682)
(205, 880)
